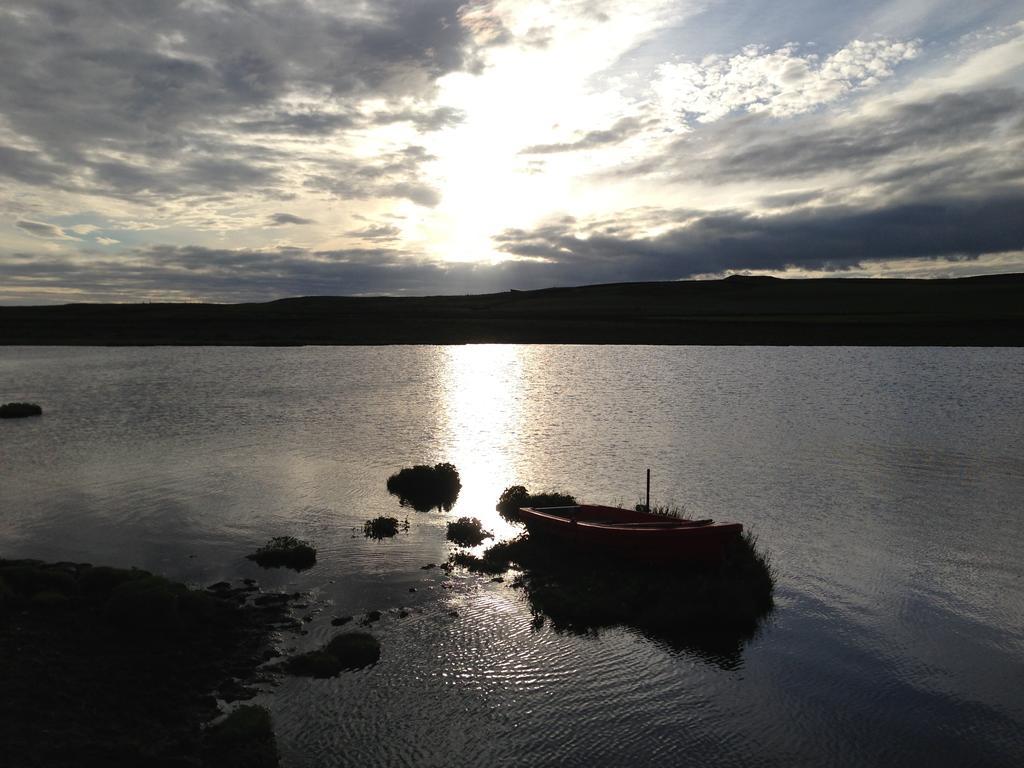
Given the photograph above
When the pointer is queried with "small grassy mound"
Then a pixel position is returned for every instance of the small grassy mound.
(19, 410)
(285, 551)
(467, 532)
(349, 650)
(383, 527)
(580, 593)
(424, 488)
(516, 496)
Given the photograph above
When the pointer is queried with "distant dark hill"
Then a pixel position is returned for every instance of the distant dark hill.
(977, 311)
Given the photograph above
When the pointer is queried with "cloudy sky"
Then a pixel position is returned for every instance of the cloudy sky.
(236, 150)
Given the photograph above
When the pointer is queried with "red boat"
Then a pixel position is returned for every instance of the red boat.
(631, 533)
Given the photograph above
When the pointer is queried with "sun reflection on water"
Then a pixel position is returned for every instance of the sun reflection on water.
(483, 401)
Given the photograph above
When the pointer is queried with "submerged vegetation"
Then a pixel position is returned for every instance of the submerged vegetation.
(467, 532)
(350, 650)
(108, 666)
(383, 527)
(424, 488)
(516, 496)
(19, 410)
(285, 551)
(686, 601)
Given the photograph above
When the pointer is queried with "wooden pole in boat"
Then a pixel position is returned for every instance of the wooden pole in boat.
(648, 506)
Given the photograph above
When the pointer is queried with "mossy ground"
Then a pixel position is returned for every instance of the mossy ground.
(106, 666)
(424, 488)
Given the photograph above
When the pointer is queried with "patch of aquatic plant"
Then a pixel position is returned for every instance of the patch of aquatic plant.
(579, 592)
(245, 738)
(424, 488)
(19, 410)
(467, 532)
(383, 527)
(110, 666)
(349, 650)
(285, 551)
(516, 496)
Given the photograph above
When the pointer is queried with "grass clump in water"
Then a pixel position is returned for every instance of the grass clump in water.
(516, 496)
(383, 527)
(349, 650)
(285, 551)
(467, 532)
(19, 410)
(424, 488)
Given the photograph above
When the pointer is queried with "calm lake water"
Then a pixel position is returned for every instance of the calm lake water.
(886, 483)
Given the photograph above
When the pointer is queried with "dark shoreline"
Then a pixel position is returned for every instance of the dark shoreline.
(107, 666)
(975, 311)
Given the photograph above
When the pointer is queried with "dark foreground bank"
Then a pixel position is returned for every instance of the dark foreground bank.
(113, 667)
(977, 311)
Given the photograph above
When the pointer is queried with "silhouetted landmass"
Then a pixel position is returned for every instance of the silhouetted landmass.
(976, 311)
(19, 410)
(106, 666)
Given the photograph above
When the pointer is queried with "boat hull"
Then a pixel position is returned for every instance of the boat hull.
(630, 534)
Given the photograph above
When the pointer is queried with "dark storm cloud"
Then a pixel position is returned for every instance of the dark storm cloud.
(424, 120)
(114, 96)
(827, 239)
(970, 139)
(835, 238)
(789, 199)
(244, 275)
(299, 123)
(622, 130)
(40, 229)
(318, 123)
(951, 120)
(280, 219)
(28, 167)
(376, 232)
(395, 175)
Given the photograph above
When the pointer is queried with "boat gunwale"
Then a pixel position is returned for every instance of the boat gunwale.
(670, 525)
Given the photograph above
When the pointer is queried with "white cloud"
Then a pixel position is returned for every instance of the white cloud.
(107, 241)
(781, 83)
